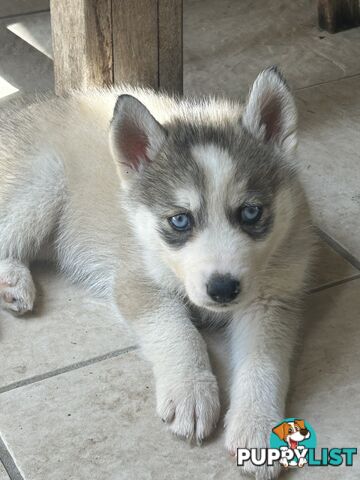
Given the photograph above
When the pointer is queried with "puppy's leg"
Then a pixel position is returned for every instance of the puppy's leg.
(263, 340)
(186, 389)
(30, 198)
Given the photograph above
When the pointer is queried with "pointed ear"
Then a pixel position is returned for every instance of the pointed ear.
(270, 112)
(280, 430)
(135, 136)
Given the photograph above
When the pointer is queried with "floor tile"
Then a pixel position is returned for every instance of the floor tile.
(330, 267)
(99, 421)
(22, 65)
(227, 43)
(329, 148)
(326, 388)
(68, 326)
(3, 474)
(20, 7)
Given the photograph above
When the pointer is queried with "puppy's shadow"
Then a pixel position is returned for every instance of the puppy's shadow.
(41, 271)
(329, 344)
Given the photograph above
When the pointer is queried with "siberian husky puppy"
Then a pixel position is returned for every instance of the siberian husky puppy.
(181, 211)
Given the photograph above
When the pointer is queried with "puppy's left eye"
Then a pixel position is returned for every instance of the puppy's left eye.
(250, 214)
(181, 222)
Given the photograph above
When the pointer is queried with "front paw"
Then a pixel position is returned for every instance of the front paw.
(246, 430)
(17, 289)
(190, 405)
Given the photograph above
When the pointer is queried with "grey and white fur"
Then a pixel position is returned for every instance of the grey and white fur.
(105, 179)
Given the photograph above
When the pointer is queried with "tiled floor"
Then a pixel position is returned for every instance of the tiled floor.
(76, 401)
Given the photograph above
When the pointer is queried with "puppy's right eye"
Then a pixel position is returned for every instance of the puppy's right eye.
(181, 222)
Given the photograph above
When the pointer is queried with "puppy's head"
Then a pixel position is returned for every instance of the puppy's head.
(208, 193)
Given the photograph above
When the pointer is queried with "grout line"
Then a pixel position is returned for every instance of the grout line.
(327, 82)
(25, 14)
(333, 284)
(69, 368)
(338, 248)
(9, 463)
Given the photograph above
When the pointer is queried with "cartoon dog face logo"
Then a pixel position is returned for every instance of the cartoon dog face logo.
(293, 433)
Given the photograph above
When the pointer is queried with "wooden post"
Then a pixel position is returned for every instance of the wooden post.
(82, 43)
(105, 42)
(135, 42)
(171, 45)
(336, 15)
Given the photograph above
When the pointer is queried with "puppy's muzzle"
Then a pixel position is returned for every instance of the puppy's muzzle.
(223, 288)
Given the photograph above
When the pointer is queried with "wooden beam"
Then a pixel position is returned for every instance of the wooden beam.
(171, 45)
(105, 42)
(82, 43)
(337, 15)
(135, 42)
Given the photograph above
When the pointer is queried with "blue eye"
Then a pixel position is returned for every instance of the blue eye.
(181, 222)
(250, 214)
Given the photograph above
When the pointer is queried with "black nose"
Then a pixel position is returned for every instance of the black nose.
(304, 431)
(223, 288)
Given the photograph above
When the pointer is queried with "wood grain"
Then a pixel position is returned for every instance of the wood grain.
(135, 42)
(171, 45)
(82, 43)
(105, 42)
